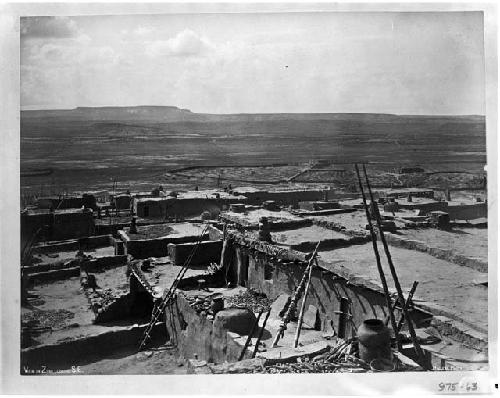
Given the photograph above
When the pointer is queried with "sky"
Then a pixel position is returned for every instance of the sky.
(402, 63)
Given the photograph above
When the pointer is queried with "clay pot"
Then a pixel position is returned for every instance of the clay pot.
(374, 341)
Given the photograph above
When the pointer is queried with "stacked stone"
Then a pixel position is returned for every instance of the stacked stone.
(203, 306)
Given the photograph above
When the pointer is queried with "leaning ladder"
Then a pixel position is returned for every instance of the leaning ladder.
(167, 296)
(296, 296)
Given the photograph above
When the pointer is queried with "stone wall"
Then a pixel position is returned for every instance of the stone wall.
(58, 225)
(195, 334)
(179, 207)
(275, 273)
(330, 244)
(285, 197)
(90, 242)
(206, 253)
(145, 248)
(468, 212)
(63, 355)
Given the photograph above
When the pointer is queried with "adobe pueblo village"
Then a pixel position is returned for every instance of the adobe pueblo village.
(312, 267)
(305, 194)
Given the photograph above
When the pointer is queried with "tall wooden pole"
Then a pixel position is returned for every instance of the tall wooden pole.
(377, 257)
(418, 349)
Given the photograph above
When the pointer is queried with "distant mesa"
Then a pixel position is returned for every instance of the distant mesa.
(164, 114)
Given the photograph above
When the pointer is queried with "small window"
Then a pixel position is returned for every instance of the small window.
(146, 211)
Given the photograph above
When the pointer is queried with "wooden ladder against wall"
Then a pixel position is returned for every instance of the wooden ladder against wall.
(169, 294)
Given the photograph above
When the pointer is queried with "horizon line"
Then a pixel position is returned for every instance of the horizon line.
(250, 113)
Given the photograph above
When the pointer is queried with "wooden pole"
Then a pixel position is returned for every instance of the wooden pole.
(410, 296)
(377, 257)
(302, 307)
(249, 338)
(295, 298)
(407, 304)
(343, 317)
(261, 332)
(418, 349)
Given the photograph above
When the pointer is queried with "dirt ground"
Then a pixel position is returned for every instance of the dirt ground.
(440, 282)
(159, 360)
(65, 308)
(470, 242)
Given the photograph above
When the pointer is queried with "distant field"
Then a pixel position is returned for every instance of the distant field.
(89, 154)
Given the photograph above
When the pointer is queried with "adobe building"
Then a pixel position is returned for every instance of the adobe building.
(185, 204)
(57, 225)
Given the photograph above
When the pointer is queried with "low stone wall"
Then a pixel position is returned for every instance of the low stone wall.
(274, 225)
(102, 263)
(65, 354)
(90, 242)
(285, 197)
(48, 271)
(342, 229)
(468, 212)
(206, 253)
(330, 244)
(54, 275)
(146, 248)
(195, 334)
(443, 254)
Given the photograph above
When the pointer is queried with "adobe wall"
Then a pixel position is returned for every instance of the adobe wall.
(206, 253)
(196, 334)
(122, 201)
(325, 292)
(468, 212)
(285, 197)
(63, 355)
(67, 269)
(73, 225)
(426, 207)
(67, 202)
(146, 248)
(90, 242)
(280, 271)
(58, 226)
(330, 244)
(274, 225)
(171, 207)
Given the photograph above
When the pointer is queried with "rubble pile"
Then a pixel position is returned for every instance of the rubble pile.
(50, 319)
(339, 358)
(202, 305)
(250, 299)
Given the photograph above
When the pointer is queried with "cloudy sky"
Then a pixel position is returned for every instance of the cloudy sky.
(405, 63)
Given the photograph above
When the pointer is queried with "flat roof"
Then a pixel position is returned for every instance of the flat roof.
(32, 212)
(205, 194)
(157, 231)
